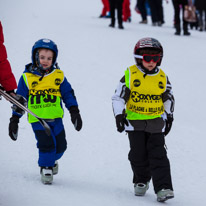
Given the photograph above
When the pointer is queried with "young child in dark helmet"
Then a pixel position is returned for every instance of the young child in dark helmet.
(44, 85)
(147, 118)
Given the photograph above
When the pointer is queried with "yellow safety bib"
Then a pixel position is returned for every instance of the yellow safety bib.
(44, 96)
(146, 94)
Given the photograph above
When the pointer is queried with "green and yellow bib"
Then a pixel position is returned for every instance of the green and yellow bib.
(145, 100)
(44, 96)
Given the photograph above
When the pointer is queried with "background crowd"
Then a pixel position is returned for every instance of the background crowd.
(183, 10)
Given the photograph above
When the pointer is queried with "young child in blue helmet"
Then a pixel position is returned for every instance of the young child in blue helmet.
(147, 118)
(44, 86)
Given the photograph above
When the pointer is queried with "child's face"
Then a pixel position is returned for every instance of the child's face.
(149, 66)
(46, 58)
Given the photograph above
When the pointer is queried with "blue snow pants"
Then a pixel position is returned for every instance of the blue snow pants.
(51, 148)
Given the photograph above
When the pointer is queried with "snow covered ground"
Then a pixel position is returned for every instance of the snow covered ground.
(94, 170)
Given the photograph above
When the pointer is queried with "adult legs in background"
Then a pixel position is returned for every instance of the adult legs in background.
(177, 4)
(105, 8)
(177, 17)
(119, 13)
(142, 9)
(112, 12)
(116, 4)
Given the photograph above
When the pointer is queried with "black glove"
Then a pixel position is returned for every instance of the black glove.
(169, 121)
(121, 121)
(13, 127)
(22, 101)
(76, 118)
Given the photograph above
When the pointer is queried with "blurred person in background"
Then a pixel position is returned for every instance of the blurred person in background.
(126, 11)
(116, 5)
(201, 8)
(141, 8)
(178, 4)
(105, 10)
(156, 12)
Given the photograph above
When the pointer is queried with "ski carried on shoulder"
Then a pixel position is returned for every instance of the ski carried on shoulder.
(14, 101)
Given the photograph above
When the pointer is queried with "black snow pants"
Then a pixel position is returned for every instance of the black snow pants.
(148, 158)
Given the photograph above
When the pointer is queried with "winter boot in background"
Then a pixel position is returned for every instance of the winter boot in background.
(178, 29)
(164, 195)
(140, 188)
(143, 21)
(111, 25)
(112, 22)
(121, 26)
(46, 175)
(56, 168)
(185, 28)
(201, 28)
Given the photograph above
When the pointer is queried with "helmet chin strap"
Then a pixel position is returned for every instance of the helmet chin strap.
(43, 71)
(37, 59)
(41, 77)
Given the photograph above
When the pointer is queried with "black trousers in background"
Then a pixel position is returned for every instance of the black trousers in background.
(148, 158)
(116, 4)
(142, 8)
(201, 17)
(176, 4)
(156, 11)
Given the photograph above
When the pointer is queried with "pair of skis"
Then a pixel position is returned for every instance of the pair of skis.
(14, 101)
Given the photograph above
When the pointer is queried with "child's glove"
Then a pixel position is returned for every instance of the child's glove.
(121, 121)
(169, 121)
(13, 127)
(76, 118)
(22, 101)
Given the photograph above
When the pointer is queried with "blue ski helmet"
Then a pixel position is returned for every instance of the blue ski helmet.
(46, 44)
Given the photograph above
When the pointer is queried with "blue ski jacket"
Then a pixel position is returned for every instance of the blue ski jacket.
(67, 93)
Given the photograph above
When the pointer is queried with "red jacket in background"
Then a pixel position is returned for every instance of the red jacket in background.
(7, 79)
